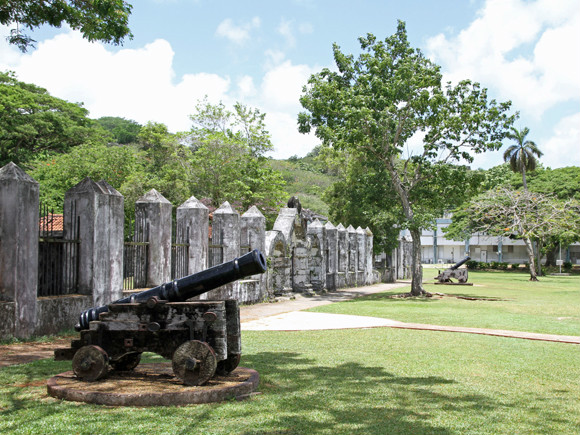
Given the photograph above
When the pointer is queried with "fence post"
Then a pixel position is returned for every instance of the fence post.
(153, 211)
(97, 210)
(369, 256)
(192, 228)
(253, 236)
(18, 251)
(331, 255)
(227, 221)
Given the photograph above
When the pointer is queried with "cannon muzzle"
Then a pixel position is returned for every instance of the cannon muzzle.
(460, 263)
(180, 290)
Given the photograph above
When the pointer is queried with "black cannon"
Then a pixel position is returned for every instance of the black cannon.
(453, 272)
(201, 338)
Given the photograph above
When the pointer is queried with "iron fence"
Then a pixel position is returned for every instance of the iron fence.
(58, 257)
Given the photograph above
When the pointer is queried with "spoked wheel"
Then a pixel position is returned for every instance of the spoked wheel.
(90, 363)
(194, 362)
(127, 362)
(228, 365)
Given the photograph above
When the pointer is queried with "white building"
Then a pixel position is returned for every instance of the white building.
(435, 248)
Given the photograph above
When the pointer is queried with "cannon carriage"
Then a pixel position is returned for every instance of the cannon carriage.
(454, 272)
(201, 338)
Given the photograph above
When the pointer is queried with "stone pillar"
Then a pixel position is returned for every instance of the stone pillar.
(193, 227)
(153, 220)
(97, 209)
(317, 235)
(18, 252)
(361, 256)
(226, 221)
(331, 256)
(369, 257)
(342, 269)
(253, 236)
(352, 257)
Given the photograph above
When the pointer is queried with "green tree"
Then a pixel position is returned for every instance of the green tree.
(228, 157)
(389, 96)
(33, 123)
(521, 156)
(97, 20)
(117, 165)
(124, 131)
(522, 215)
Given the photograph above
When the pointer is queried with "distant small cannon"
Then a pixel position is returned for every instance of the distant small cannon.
(201, 338)
(453, 272)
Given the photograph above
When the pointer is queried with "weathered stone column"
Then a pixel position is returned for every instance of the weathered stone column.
(369, 256)
(98, 210)
(317, 235)
(18, 252)
(226, 224)
(193, 228)
(342, 271)
(351, 276)
(153, 219)
(331, 256)
(361, 256)
(253, 236)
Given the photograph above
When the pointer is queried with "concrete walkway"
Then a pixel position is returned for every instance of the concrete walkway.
(288, 316)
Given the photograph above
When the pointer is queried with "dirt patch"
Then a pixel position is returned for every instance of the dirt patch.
(22, 353)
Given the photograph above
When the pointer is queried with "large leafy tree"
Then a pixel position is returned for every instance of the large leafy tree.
(522, 155)
(33, 123)
(229, 159)
(97, 20)
(521, 214)
(390, 96)
(124, 131)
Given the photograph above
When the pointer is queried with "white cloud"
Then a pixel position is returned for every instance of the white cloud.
(285, 29)
(237, 34)
(565, 142)
(140, 84)
(495, 50)
(133, 83)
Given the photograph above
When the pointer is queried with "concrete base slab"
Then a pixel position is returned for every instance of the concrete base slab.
(152, 385)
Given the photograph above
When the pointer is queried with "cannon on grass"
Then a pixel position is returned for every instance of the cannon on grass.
(454, 272)
(201, 338)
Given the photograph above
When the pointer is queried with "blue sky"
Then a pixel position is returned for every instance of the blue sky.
(261, 53)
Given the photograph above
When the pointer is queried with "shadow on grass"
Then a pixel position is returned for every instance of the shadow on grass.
(347, 398)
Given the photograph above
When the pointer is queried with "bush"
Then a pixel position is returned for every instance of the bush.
(471, 264)
(567, 265)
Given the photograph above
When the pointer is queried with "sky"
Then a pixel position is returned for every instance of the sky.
(261, 53)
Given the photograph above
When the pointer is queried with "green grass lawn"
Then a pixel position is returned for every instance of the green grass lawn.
(369, 381)
(550, 306)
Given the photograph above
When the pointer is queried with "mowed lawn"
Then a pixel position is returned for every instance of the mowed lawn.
(366, 381)
(504, 300)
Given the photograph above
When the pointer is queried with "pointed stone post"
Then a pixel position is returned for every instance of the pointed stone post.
(193, 228)
(253, 236)
(318, 255)
(351, 277)
(369, 256)
(18, 252)
(342, 271)
(153, 219)
(361, 256)
(226, 225)
(95, 212)
(331, 256)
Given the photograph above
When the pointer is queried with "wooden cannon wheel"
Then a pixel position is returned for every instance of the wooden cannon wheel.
(228, 365)
(194, 362)
(90, 363)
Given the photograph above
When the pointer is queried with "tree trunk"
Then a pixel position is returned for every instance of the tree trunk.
(416, 268)
(539, 264)
(530, 251)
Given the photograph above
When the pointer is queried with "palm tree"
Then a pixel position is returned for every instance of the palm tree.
(521, 155)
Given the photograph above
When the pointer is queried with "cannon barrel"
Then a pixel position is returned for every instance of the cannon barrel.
(460, 263)
(180, 290)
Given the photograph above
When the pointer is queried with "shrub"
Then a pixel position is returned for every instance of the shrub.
(471, 264)
(567, 265)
